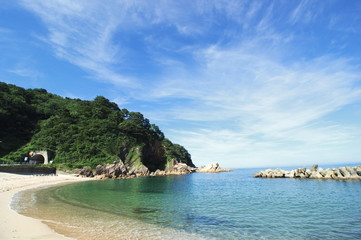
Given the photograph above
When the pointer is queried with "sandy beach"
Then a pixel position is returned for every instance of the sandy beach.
(16, 226)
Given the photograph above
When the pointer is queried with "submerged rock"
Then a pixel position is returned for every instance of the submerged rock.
(342, 173)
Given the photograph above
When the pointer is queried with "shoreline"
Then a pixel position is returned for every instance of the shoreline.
(16, 226)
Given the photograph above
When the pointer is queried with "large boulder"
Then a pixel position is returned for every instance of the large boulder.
(212, 168)
(159, 173)
(344, 172)
(86, 172)
(179, 169)
(314, 168)
(336, 173)
(116, 169)
(353, 172)
(209, 168)
(358, 170)
(139, 171)
(278, 173)
(100, 170)
(328, 173)
(316, 175)
(290, 174)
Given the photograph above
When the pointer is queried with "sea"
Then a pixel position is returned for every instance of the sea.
(226, 205)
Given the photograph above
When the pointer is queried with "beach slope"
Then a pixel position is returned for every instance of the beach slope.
(16, 226)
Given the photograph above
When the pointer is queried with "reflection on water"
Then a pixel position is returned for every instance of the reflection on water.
(230, 205)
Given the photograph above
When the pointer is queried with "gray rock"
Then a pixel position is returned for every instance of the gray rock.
(140, 171)
(353, 173)
(99, 170)
(316, 175)
(336, 174)
(344, 172)
(278, 173)
(300, 172)
(159, 173)
(116, 169)
(180, 168)
(289, 174)
(212, 168)
(328, 173)
(86, 172)
(314, 168)
(321, 172)
(303, 175)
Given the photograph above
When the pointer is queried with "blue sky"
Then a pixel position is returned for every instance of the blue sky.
(242, 83)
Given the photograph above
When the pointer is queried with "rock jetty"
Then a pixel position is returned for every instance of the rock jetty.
(342, 173)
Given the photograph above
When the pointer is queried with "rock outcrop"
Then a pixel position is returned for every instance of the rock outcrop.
(118, 169)
(86, 172)
(212, 168)
(342, 173)
(181, 168)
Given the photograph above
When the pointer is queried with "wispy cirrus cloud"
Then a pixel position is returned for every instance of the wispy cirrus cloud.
(26, 72)
(82, 33)
(302, 12)
(226, 68)
(247, 102)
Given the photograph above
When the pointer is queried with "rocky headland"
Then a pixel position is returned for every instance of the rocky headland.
(120, 170)
(342, 173)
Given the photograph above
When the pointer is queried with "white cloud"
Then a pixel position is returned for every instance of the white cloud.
(254, 101)
(121, 101)
(255, 106)
(82, 33)
(23, 72)
(302, 12)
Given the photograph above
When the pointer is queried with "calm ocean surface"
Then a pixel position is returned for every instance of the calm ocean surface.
(230, 205)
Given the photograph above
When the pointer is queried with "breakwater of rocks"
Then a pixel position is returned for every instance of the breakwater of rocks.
(342, 173)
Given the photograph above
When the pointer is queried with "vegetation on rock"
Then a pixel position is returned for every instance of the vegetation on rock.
(81, 133)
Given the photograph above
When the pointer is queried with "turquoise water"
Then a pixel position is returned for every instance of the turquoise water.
(230, 205)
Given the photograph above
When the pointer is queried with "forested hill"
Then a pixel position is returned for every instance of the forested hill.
(81, 133)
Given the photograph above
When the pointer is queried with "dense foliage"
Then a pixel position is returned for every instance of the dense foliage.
(80, 133)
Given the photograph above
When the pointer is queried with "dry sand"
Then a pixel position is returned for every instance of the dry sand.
(16, 226)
